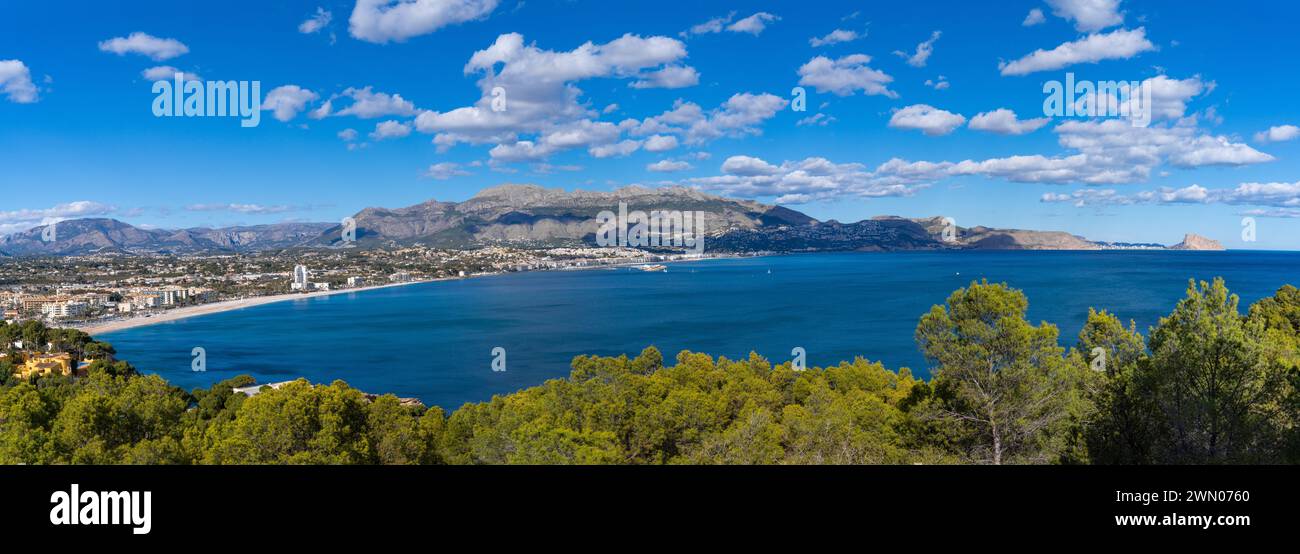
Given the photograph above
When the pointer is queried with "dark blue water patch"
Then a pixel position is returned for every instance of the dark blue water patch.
(434, 341)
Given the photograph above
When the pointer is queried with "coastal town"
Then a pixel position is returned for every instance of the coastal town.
(107, 292)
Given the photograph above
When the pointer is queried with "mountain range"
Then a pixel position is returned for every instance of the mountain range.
(528, 216)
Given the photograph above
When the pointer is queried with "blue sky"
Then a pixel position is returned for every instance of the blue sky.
(913, 109)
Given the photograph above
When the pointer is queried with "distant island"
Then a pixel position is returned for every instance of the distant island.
(529, 216)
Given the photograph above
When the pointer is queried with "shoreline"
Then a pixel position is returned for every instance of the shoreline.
(227, 306)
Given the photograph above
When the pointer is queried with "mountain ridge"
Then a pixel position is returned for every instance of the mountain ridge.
(531, 216)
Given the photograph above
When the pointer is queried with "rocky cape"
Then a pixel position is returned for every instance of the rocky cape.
(527, 216)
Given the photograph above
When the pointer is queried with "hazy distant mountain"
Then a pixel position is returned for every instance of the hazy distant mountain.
(528, 216)
(88, 236)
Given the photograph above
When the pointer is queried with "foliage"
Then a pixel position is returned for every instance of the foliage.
(1208, 385)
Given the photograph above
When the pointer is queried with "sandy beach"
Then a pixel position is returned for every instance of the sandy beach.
(229, 305)
(224, 306)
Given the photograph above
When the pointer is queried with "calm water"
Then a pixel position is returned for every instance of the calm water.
(434, 341)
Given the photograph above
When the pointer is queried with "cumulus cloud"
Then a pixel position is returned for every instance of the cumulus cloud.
(673, 76)
(1119, 44)
(367, 104)
(1004, 122)
(845, 76)
(536, 89)
(1088, 15)
(1103, 152)
(660, 143)
(320, 20)
(445, 170)
(615, 150)
(754, 24)
(1275, 199)
(287, 101)
(1035, 17)
(928, 119)
(167, 73)
(390, 129)
(668, 166)
(144, 44)
(835, 37)
(923, 51)
(15, 221)
(796, 182)
(1279, 133)
(740, 115)
(383, 21)
(16, 82)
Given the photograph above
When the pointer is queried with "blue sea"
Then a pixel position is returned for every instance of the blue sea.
(435, 341)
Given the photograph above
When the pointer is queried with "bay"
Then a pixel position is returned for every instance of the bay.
(435, 341)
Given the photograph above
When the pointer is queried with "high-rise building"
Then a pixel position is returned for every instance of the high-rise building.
(301, 277)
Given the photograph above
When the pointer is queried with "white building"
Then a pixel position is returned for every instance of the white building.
(64, 309)
(301, 278)
(356, 281)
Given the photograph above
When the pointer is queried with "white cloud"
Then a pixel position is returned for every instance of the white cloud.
(558, 138)
(668, 166)
(348, 135)
(16, 82)
(538, 85)
(1104, 152)
(928, 119)
(1119, 44)
(845, 76)
(445, 170)
(254, 209)
(390, 129)
(818, 120)
(796, 182)
(167, 73)
(288, 101)
(835, 37)
(1004, 122)
(748, 166)
(1169, 97)
(158, 49)
(1035, 17)
(712, 26)
(740, 115)
(660, 143)
(673, 76)
(753, 24)
(1281, 199)
(1279, 133)
(615, 150)
(381, 21)
(1088, 15)
(320, 20)
(21, 220)
(367, 104)
(938, 84)
(923, 51)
